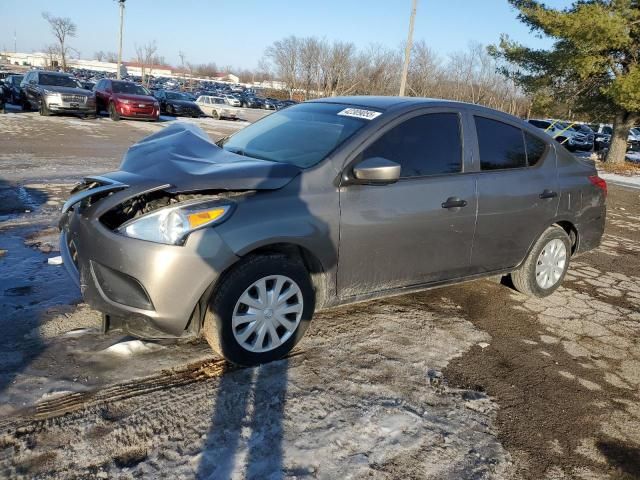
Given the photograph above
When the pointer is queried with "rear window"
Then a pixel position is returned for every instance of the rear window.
(301, 135)
(539, 123)
(536, 149)
(501, 145)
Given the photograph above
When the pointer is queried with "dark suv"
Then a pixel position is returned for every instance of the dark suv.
(323, 203)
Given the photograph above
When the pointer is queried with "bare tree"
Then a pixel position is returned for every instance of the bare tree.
(145, 55)
(285, 57)
(111, 57)
(61, 27)
(53, 54)
(99, 55)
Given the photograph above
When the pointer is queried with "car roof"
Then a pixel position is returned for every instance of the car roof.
(60, 74)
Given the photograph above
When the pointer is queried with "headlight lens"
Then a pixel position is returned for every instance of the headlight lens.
(172, 225)
(125, 101)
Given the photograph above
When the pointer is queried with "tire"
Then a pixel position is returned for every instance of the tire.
(26, 106)
(171, 111)
(44, 111)
(113, 113)
(528, 280)
(214, 114)
(225, 300)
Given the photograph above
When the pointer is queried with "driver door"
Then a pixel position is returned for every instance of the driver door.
(419, 229)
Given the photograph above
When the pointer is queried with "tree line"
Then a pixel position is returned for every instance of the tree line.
(312, 67)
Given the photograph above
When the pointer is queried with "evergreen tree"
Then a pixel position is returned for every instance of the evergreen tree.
(593, 66)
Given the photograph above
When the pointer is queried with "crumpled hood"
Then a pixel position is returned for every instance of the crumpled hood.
(183, 156)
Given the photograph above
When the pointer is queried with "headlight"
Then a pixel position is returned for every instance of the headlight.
(172, 225)
(51, 93)
(124, 101)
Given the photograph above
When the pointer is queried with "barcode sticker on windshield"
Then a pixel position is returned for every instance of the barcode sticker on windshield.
(359, 113)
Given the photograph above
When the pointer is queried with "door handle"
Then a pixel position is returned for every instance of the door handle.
(548, 194)
(454, 202)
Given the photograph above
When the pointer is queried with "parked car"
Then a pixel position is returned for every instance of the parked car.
(602, 136)
(323, 203)
(122, 99)
(55, 92)
(270, 104)
(232, 100)
(177, 104)
(87, 85)
(12, 83)
(4, 95)
(586, 131)
(563, 133)
(215, 107)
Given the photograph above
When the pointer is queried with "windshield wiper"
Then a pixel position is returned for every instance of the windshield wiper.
(239, 151)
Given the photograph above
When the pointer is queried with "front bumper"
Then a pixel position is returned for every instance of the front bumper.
(152, 288)
(132, 111)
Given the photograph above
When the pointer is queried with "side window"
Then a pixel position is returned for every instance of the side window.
(501, 145)
(536, 149)
(425, 145)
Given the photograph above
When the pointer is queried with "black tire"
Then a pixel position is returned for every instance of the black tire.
(214, 115)
(218, 329)
(113, 113)
(26, 106)
(171, 110)
(524, 278)
(44, 111)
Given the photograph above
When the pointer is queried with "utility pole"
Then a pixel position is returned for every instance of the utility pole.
(407, 50)
(121, 2)
(15, 42)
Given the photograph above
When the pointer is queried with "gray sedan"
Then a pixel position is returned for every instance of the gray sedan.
(324, 203)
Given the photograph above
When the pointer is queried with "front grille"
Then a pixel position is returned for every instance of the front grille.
(74, 98)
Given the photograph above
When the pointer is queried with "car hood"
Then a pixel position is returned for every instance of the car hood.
(68, 90)
(183, 156)
(135, 98)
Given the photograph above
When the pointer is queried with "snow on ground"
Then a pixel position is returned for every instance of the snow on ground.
(362, 398)
(622, 180)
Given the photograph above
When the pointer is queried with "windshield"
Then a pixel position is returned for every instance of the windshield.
(301, 135)
(130, 88)
(177, 96)
(57, 80)
(636, 131)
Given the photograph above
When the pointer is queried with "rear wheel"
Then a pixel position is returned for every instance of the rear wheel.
(260, 311)
(546, 265)
(113, 113)
(214, 114)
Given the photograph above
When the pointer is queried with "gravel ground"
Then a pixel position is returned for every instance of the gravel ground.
(470, 381)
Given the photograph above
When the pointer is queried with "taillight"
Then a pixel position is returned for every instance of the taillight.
(599, 182)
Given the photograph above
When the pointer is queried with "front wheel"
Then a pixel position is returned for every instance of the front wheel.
(260, 311)
(546, 265)
(113, 113)
(44, 111)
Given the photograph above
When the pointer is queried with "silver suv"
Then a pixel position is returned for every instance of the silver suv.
(56, 92)
(323, 203)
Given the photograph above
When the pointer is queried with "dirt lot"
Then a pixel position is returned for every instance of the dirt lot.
(472, 381)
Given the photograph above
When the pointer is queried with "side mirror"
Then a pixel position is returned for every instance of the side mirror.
(377, 170)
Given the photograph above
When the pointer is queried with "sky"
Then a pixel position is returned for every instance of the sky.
(234, 33)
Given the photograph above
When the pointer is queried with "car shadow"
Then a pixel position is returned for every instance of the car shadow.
(247, 431)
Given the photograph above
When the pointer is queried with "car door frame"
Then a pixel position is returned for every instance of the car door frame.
(525, 127)
(367, 138)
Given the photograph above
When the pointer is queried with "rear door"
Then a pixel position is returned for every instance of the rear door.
(517, 193)
(419, 229)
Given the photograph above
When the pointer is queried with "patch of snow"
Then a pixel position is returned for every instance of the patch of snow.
(131, 347)
(622, 180)
(55, 260)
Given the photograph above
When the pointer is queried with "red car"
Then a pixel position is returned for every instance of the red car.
(125, 100)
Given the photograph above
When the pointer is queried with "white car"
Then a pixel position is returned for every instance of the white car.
(215, 107)
(233, 101)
